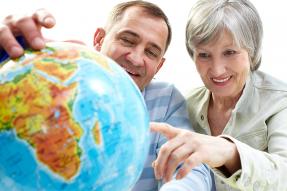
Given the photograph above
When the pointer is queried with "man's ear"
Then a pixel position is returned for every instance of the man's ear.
(99, 38)
(160, 64)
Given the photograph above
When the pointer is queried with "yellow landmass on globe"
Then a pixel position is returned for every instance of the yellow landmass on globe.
(97, 133)
(40, 113)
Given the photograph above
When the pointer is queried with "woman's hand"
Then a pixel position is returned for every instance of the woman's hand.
(191, 149)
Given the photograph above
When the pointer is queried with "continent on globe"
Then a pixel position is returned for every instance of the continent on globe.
(74, 117)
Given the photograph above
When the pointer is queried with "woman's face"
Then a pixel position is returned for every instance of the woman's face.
(223, 66)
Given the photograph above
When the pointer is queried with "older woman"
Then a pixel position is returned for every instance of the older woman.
(243, 111)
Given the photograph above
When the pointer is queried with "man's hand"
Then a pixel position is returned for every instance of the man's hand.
(27, 26)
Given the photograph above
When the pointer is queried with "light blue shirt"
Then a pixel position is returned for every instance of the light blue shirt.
(166, 104)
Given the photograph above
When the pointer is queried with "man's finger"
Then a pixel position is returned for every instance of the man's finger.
(9, 43)
(44, 18)
(31, 32)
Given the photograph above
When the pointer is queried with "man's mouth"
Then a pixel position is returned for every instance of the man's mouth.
(132, 73)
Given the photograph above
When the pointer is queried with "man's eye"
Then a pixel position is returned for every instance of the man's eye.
(229, 52)
(126, 41)
(151, 53)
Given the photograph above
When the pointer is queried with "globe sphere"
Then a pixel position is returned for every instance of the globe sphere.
(70, 119)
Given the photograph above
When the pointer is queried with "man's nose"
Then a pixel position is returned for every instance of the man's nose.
(136, 57)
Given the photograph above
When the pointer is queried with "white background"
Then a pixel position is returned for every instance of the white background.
(78, 19)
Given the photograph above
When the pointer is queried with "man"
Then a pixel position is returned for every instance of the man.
(136, 36)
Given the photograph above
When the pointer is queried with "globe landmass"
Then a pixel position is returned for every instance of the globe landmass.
(70, 119)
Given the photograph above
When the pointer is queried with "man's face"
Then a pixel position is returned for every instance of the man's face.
(137, 43)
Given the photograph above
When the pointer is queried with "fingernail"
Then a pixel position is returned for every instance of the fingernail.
(49, 21)
(38, 43)
(155, 172)
(16, 51)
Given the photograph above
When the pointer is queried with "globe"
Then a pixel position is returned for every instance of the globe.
(70, 119)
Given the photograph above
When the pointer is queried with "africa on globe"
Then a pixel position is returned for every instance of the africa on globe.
(70, 119)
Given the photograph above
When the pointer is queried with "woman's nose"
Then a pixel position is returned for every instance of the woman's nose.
(218, 67)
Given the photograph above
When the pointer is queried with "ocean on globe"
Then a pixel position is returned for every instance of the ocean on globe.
(70, 119)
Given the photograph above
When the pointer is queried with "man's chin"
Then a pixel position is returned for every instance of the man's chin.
(139, 85)
(137, 80)
(134, 77)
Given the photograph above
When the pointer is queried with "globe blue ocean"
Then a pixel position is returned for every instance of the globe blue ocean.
(70, 119)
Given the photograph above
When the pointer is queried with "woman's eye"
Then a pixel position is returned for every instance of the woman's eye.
(229, 52)
(203, 55)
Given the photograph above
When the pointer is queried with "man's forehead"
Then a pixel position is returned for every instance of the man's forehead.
(135, 18)
(135, 10)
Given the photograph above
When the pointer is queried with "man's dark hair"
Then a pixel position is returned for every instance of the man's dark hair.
(149, 8)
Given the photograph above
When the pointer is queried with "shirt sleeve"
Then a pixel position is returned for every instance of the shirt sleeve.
(198, 179)
(262, 170)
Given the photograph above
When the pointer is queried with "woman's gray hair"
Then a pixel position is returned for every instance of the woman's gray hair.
(209, 18)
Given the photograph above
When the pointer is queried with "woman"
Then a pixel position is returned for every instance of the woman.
(243, 111)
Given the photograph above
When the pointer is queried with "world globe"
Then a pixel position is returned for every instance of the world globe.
(70, 119)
